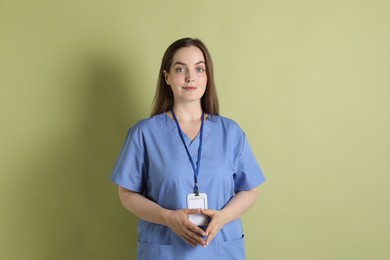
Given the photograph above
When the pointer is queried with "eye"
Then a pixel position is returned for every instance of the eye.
(200, 69)
(180, 69)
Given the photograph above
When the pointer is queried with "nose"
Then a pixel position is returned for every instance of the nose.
(189, 76)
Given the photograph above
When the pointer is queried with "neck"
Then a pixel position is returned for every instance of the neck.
(188, 111)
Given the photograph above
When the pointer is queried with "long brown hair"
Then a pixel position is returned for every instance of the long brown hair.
(163, 99)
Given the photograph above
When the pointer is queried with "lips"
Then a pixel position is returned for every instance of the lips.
(189, 88)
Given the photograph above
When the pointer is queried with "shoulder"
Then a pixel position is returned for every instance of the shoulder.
(228, 129)
(148, 123)
(227, 124)
(145, 127)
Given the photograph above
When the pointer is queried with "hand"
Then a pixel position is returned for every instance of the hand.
(177, 221)
(217, 222)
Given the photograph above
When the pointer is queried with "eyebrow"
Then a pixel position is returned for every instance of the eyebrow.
(181, 63)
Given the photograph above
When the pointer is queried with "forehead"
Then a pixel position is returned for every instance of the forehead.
(188, 55)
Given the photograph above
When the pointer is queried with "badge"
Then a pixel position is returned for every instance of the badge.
(197, 202)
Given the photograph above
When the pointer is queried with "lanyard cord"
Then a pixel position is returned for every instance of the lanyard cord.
(196, 170)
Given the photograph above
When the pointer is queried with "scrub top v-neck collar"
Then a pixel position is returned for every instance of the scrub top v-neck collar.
(208, 124)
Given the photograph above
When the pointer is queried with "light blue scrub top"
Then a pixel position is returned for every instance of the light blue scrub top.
(154, 162)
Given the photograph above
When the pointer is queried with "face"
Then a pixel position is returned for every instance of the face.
(187, 76)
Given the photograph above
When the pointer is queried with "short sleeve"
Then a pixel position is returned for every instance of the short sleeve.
(248, 174)
(129, 170)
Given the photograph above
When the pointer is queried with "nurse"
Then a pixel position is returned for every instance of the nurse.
(188, 173)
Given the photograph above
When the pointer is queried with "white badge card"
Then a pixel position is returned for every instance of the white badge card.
(198, 202)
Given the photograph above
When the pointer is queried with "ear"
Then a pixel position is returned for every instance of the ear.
(166, 74)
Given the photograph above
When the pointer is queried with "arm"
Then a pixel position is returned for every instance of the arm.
(176, 220)
(236, 207)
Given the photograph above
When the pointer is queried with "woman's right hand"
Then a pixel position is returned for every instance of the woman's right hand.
(177, 221)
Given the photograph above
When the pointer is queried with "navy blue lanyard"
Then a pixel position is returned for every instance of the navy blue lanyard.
(196, 169)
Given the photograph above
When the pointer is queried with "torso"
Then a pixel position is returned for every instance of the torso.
(155, 163)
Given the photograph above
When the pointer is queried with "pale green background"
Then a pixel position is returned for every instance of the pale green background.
(307, 80)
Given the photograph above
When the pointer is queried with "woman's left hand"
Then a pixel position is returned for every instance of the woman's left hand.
(217, 222)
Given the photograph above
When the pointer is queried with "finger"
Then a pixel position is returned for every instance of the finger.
(196, 229)
(189, 236)
(194, 238)
(198, 237)
(210, 237)
(210, 228)
(200, 231)
(188, 240)
(211, 231)
(211, 225)
(211, 234)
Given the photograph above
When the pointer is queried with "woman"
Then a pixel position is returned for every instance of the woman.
(184, 159)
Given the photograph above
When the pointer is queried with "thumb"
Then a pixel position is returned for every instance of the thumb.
(207, 212)
(191, 211)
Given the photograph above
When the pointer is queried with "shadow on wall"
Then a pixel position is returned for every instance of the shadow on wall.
(77, 214)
